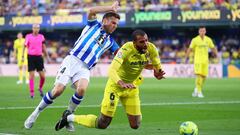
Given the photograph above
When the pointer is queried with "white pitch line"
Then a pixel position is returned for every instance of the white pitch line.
(143, 104)
(7, 134)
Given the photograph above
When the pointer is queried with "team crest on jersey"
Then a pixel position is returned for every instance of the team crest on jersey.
(147, 55)
(119, 54)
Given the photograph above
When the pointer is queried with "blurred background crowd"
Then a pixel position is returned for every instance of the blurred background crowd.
(35, 7)
(171, 44)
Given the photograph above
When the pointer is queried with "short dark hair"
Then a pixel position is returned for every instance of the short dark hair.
(201, 27)
(110, 14)
(136, 33)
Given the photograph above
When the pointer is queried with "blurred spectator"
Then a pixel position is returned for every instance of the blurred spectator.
(35, 7)
(171, 47)
(7, 51)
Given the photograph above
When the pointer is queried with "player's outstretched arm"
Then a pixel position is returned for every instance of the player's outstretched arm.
(159, 74)
(189, 50)
(102, 9)
(46, 53)
(214, 50)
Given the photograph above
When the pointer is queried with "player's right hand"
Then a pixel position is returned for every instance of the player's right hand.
(115, 6)
(126, 85)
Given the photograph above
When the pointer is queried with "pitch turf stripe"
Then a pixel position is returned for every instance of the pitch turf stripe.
(7, 134)
(143, 104)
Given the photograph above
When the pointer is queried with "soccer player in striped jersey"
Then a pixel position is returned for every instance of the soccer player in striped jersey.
(201, 45)
(94, 40)
(123, 84)
(22, 65)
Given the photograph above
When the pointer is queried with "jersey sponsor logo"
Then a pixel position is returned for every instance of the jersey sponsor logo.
(100, 39)
(119, 54)
(138, 63)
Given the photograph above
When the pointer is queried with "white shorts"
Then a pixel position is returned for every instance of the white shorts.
(72, 69)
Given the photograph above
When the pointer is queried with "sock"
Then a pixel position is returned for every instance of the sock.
(199, 82)
(27, 75)
(21, 75)
(31, 87)
(42, 80)
(85, 120)
(46, 100)
(74, 102)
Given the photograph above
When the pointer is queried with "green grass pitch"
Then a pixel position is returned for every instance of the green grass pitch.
(165, 104)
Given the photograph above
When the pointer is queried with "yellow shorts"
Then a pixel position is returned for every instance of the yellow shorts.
(22, 63)
(201, 68)
(128, 97)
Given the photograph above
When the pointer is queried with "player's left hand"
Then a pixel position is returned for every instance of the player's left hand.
(115, 6)
(159, 74)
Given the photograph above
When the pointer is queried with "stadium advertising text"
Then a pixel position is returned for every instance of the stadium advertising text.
(56, 19)
(151, 16)
(235, 14)
(2, 21)
(129, 19)
(181, 18)
(172, 70)
(201, 15)
(26, 20)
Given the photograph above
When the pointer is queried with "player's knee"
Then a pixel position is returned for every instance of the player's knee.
(135, 125)
(102, 126)
(81, 90)
(104, 122)
(134, 121)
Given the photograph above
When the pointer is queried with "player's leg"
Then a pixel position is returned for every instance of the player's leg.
(68, 117)
(25, 66)
(201, 79)
(61, 81)
(199, 84)
(31, 70)
(31, 83)
(20, 70)
(81, 86)
(197, 71)
(80, 78)
(108, 108)
(131, 103)
(134, 121)
(46, 101)
(41, 82)
(109, 104)
(40, 70)
(26, 74)
(20, 74)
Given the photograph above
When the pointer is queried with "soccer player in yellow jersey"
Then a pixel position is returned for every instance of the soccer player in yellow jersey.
(22, 65)
(200, 45)
(123, 84)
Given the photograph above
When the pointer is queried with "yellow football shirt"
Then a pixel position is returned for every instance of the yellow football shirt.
(200, 47)
(18, 45)
(131, 62)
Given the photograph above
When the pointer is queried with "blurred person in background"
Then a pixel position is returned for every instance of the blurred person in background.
(7, 51)
(200, 45)
(35, 43)
(22, 65)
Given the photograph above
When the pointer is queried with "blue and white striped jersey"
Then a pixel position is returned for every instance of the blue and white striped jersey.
(92, 43)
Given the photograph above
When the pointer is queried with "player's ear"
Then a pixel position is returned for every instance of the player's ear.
(105, 21)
